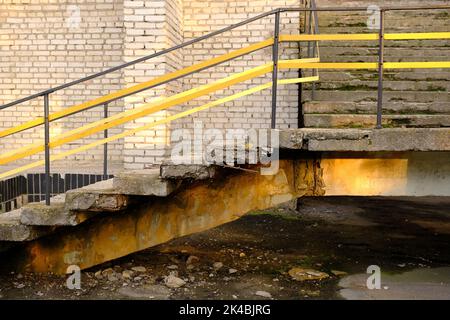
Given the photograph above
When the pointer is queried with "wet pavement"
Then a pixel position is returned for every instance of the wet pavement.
(322, 250)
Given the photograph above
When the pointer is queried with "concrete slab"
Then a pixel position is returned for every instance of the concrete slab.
(12, 230)
(97, 197)
(146, 182)
(387, 139)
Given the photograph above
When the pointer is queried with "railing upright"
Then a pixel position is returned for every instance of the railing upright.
(275, 69)
(47, 148)
(316, 31)
(105, 146)
(380, 70)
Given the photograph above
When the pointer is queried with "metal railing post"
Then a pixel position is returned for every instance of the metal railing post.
(275, 69)
(380, 70)
(47, 148)
(316, 31)
(105, 146)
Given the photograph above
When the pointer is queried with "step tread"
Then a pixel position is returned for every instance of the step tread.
(369, 120)
(11, 229)
(348, 107)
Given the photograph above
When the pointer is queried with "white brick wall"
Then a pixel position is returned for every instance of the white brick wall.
(203, 16)
(41, 47)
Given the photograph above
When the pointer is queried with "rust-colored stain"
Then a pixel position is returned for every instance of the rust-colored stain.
(196, 208)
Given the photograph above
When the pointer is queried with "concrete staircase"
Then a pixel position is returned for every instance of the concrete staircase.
(112, 196)
(412, 98)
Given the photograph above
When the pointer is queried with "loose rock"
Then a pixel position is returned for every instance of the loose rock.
(338, 273)
(139, 269)
(301, 274)
(217, 265)
(172, 281)
(127, 274)
(192, 259)
(264, 294)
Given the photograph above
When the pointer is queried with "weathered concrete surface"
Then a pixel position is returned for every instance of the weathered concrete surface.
(188, 171)
(12, 230)
(387, 139)
(98, 197)
(369, 120)
(145, 182)
(38, 214)
(387, 174)
(199, 207)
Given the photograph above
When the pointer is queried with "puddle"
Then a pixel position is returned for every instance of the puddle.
(417, 284)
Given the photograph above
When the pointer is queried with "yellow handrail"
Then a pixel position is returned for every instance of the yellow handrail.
(164, 103)
(139, 87)
(364, 36)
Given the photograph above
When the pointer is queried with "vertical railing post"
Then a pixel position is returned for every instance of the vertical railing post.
(105, 146)
(380, 70)
(47, 148)
(275, 69)
(314, 27)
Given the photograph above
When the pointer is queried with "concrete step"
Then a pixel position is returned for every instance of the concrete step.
(146, 182)
(98, 197)
(388, 85)
(417, 75)
(356, 51)
(11, 229)
(369, 121)
(429, 44)
(76, 206)
(399, 108)
(388, 96)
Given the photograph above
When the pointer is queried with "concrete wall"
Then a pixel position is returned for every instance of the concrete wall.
(386, 174)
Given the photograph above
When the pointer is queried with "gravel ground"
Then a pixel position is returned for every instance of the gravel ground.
(314, 252)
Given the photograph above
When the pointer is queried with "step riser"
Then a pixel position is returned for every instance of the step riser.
(369, 121)
(388, 96)
(370, 108)
(435, 86)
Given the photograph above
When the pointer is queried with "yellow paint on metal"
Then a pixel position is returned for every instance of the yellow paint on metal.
(139, 87)
(299, 64)
(293, 64)
(144, 110)
(417, 65)
(328, 37)
(417, 36)
(157, 123)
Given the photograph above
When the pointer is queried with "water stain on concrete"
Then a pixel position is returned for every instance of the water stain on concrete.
(417, 284)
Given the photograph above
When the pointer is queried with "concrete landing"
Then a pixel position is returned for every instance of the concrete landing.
(386, 139)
